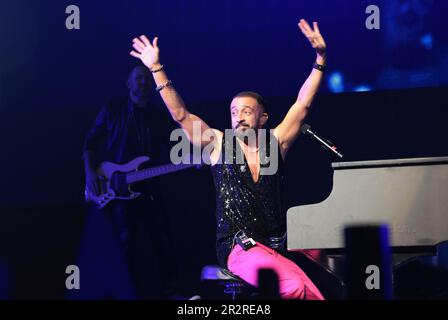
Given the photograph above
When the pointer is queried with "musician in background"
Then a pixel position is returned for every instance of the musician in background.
(124, 129)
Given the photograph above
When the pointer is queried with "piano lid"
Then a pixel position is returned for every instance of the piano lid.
(389, 163)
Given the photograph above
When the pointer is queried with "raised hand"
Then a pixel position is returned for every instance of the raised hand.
(146, 51)
(314, 37)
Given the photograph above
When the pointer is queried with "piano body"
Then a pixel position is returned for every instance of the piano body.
(409, 195)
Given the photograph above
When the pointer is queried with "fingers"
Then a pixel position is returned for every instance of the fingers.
(138, 42)
(305, 33)
(308, 34)
(302, 28)
(145, 40)
(141, 43)
(138, 45)
(305, 26)
(155, 42)
(135, 54)
(316, 27)
(138, 48)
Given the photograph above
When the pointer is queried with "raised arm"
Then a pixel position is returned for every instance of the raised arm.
(288, 130)
(148, 53)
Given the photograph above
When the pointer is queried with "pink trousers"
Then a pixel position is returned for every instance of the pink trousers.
(293, 282)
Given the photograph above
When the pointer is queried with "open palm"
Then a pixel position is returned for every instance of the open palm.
(314, 37)
(146, 51)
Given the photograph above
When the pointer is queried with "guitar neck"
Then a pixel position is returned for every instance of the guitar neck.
(144, 174)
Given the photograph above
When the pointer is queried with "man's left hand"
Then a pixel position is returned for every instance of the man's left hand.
(315, 38)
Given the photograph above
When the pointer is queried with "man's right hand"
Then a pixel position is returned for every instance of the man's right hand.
(145, 51)
(148, 53)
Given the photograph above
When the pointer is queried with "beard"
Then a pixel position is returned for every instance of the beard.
(245, 131)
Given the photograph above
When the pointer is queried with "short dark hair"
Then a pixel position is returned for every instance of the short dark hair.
(252, 94)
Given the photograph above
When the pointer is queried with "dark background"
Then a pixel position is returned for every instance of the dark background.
(54, 80)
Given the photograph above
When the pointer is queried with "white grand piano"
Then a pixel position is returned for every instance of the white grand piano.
(409, 195)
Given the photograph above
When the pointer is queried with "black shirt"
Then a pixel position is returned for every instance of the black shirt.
(123, 131)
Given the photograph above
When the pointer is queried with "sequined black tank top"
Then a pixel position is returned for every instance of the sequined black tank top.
(242, 204)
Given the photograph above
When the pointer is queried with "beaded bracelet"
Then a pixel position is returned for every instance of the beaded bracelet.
(157, 70)
(169, 83)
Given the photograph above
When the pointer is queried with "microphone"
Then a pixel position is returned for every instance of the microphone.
(306, 130)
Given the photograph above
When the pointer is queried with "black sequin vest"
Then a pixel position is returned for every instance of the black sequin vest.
(241, 203)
